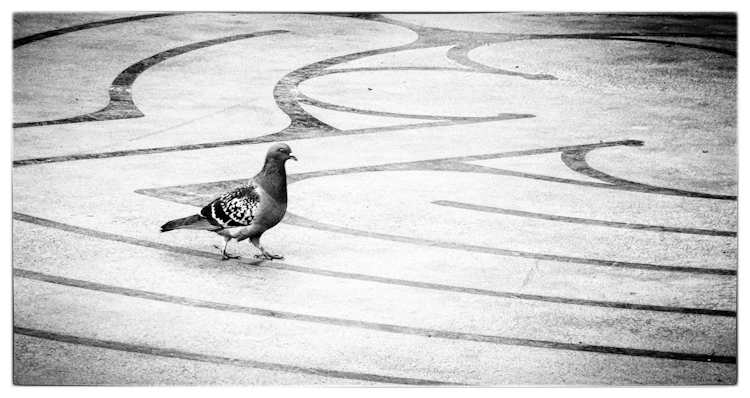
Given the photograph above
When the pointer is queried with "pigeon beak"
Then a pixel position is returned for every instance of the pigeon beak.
(293, 157)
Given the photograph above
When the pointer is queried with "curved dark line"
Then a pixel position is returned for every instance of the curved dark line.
(299, 221)
(289, 96)
(458, 165)
(485, 70)
(588, 221)
(473, 168)
(286, 91)
(121, 104)
(303, 124)
(540, 151)
(489, 36)
(475, 68)
(191, 356)
(465, 43)
(676, 43)
(302, 98)
(575, 159)
(379, 327)
(606, 36)
(692, 15)
(284, 135)
(51, 33)
(637, 37)
(398, 69)
(371, 278)
(460, 55)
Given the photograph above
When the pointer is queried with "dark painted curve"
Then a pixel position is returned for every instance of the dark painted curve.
(299, 221)
(309, 133)
(302, 98)
(638, 37)
(369, 278)
(460, 55)
(575, 159)
(52, 33)
(192, 356)
(444, 164)
(586, 221)
(288, 98)
(468, 119)
(303, 125)
(680, 44)
(379, 327)
(121, 104)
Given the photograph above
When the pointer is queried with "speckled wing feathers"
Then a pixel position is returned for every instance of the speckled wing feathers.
(236, 208)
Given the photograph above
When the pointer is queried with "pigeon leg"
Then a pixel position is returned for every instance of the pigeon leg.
(255, 240)
(224, 254)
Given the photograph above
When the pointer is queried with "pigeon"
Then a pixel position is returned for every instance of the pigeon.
(248, 210)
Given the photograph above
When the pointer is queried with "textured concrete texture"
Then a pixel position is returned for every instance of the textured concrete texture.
(480, 199)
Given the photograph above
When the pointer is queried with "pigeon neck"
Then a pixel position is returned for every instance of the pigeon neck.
(272, 178)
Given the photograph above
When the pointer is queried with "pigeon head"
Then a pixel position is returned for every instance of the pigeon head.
(280, 152)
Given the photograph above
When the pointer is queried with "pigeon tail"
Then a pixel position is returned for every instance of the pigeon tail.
(193, 222)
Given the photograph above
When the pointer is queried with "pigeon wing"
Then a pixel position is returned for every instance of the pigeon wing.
(236, 208)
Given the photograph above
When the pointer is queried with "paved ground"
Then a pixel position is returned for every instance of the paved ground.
(483, 199)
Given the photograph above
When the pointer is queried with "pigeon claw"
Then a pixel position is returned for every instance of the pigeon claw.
(225, 255)
(269, 256)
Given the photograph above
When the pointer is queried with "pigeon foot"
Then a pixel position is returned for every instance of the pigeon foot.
(226, 256)
(269, 256)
